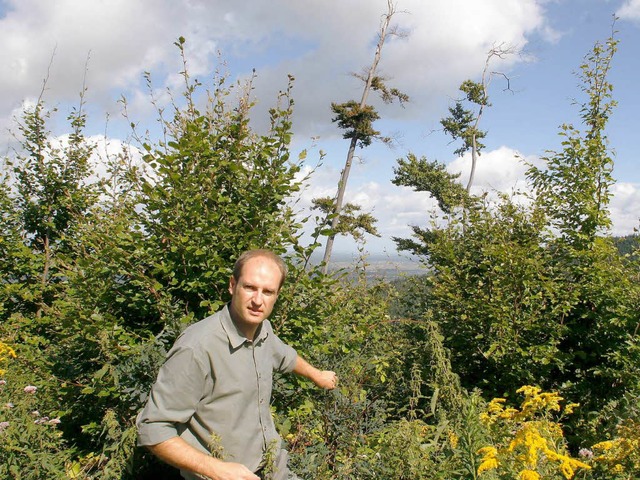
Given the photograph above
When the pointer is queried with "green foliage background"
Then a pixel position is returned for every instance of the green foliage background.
(99, 275)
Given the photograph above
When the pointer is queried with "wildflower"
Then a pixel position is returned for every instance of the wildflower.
(3, 425)
(6, 352)
(568, 410)
(489, 459)
(3, 382)
(453, 440)
(535, 438)
(604, 446)
(30, 389)
(529, 475)
(41, 420)
(54, 421)
(585, 453)
(35, 413)
(8, 405)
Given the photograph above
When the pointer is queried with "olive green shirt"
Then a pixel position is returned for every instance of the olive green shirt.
(215, 387)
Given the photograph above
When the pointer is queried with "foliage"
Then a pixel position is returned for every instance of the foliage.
(574, 187)
(432, 177)
(350, 222)
(31, 443)
(98, 278)
(356, 119)
(626, 245)
(461, 124)
(527, 290)
(108, 281)
(618, 458)
(528, 443)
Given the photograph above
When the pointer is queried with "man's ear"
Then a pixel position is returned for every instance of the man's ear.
(232, 284)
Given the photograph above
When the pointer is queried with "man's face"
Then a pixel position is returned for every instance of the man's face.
(254, 294)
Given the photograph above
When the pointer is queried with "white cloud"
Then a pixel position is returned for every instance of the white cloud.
(624, 208)
(502, 170)
(447, 42)
(630, 10)
(320, 43)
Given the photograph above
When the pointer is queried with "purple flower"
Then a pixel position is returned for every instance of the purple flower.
(3, 425)
(585, 453)
(30, 389)
(41, 420)
(3, 382)
(54, 421)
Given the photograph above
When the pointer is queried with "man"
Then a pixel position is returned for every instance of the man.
(213, 393)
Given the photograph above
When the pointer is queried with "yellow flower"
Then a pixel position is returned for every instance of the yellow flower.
(6, 352)
(489, 459)
(568, 410)
(529, 475)
(604, 446)
(488, 464)
(453, 439)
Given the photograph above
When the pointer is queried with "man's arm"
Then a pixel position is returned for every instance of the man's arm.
(180, 454)
(322, 378)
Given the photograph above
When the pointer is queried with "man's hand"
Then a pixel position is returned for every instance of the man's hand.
(233, 471)
(326, 379)
(323, 379)
(180, 454)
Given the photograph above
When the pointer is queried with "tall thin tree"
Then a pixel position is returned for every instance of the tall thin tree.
(356, 118)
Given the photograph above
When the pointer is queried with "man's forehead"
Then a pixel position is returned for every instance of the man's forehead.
(257, 263)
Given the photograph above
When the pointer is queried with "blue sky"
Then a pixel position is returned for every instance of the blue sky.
(321, 42)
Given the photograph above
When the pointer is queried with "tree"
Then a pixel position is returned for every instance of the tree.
(574, 186)
(351, 222)
(52, 193)
(464, 123)
(534, 292)
(357, 118)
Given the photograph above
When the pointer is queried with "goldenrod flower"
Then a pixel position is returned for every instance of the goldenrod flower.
(6, 352)
(529, 475)
(568, 410)
(489, 459)
(534, 444)
(453, 439)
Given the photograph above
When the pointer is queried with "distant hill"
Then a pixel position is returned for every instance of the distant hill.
(627, 244)
(391, 266)
(376, 265)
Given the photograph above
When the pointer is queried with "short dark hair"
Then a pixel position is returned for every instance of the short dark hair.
(259, 252)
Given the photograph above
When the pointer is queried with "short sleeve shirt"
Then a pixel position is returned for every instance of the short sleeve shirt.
(214, 391)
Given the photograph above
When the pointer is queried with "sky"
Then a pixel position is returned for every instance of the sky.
(109, 45)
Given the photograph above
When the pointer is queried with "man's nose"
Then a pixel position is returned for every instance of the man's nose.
(257, 297)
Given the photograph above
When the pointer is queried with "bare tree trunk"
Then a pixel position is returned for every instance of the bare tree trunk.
(474, 158)
(499, 51)
(342, 185)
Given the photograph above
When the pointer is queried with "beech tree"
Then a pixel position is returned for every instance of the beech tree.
(356, 119)
(536, 292)
(463, 123)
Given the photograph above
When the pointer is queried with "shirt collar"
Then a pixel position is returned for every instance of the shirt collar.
(236, 339)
